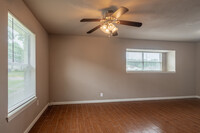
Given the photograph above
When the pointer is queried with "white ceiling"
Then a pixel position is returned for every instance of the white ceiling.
(172, 20)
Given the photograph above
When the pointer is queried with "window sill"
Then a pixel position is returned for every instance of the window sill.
(148, 72)
(20, 109)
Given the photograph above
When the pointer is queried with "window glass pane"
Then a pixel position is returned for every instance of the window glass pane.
(143, 60)
(21, 64)
(20, 44)
(152, 66)
(134, 56)
(10, 41)
(134, 66)
(152, 57)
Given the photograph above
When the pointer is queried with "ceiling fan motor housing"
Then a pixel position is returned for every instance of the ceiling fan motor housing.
(108, 13)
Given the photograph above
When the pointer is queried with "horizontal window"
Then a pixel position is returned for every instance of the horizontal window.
(150, 60)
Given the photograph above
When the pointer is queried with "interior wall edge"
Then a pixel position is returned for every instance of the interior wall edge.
(93, 36)
(197, 68)
(122, 100)
(36, 119)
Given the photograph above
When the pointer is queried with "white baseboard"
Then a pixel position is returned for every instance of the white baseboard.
(198, 97)
(35, 120)
(120, 100)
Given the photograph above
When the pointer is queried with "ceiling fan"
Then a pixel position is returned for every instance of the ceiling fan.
(108, 20)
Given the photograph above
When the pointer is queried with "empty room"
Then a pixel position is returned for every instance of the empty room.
(99, 66)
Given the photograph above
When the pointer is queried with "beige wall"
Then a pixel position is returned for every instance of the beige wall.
(23, 120)
(81, 67)
(198, 68)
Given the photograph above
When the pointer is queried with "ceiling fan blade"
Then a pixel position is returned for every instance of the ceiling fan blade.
(130, 23)
(119, 12)
(115, 33)
(94, 29)
(90, 20)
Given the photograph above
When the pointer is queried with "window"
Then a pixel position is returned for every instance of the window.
(21, 64)
(149, 60)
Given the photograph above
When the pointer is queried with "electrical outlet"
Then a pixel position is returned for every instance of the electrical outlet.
(101, 94)
(38, 102)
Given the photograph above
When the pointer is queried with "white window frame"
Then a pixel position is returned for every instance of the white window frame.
(164, 67)
(20, 107)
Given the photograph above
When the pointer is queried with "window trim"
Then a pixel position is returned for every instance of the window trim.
(149, 72)
(12, 114)
(20, 108)
(21, 103)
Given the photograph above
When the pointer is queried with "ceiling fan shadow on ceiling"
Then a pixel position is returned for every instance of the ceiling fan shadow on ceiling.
(108, 21)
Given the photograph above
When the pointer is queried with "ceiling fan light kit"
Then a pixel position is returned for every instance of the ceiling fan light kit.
(107, 23)
(109, 28)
